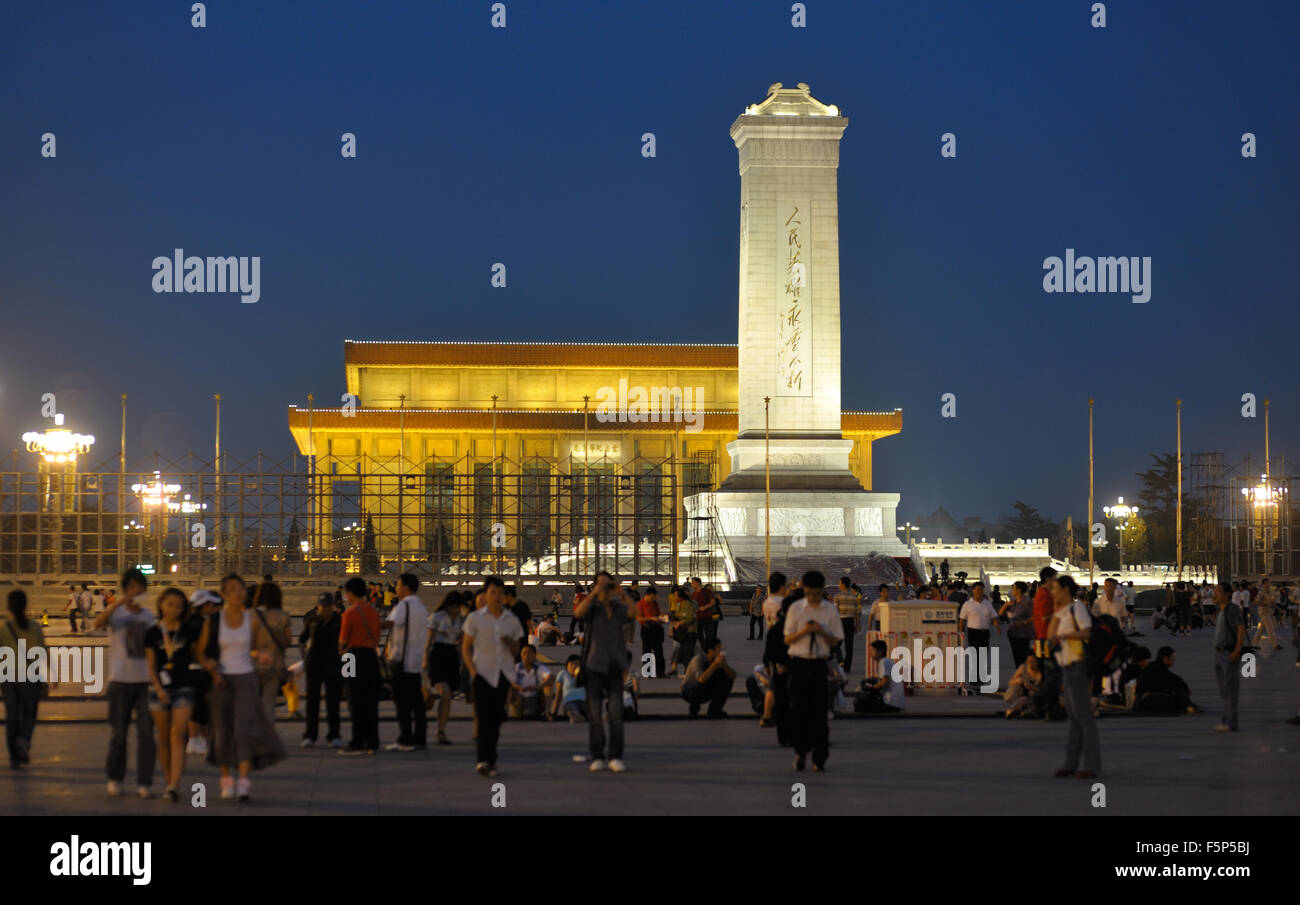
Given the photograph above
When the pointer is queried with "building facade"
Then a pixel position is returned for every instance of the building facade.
(595, 446)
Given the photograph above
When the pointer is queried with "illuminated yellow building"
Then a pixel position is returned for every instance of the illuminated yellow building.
(411, 449)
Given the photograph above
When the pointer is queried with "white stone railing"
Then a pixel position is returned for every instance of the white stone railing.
(1033, 546)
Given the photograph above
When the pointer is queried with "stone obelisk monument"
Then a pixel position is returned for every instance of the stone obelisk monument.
(790, 346)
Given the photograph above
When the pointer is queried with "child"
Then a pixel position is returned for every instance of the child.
(572, 696)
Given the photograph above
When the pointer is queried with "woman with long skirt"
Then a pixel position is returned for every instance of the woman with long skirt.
(243, 737)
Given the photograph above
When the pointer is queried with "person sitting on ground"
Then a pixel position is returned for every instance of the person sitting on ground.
(836, 680)
(1020, 690)
(881, 691)
(531, 687)
(571, 698)
(761, 695)
(1137, 661)
(1161, 690)
(548, 633)
(709, 678)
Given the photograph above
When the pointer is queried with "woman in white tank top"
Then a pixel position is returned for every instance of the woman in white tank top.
(236, 647)
(242, 735)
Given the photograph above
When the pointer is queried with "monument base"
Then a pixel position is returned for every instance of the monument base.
(805, 523)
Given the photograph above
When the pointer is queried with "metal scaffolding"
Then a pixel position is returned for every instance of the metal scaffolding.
(1241, 517)
(535, 519)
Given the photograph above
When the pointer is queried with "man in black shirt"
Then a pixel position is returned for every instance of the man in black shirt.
(1160, 689)
(320, 643)
(520, 611)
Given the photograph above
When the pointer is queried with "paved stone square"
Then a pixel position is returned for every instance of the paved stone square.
(946, 756)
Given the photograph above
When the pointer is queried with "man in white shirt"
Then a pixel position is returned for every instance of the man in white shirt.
(1110, 602)
(812, 629)
(1241, 597)
(873, 614)
(880, 679)
(977, 618)
(410, 623)
(1068, 633)
(490, 640)
(1130, 605)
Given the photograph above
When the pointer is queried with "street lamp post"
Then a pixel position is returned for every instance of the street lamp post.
(311, 480)
(767, 486)
(57, 449)
(586, 465)
(1121, 512)
(1265, 501)
(156, 498)
(401, 477)
(1091, 496)
(909, 528)
(121, 495)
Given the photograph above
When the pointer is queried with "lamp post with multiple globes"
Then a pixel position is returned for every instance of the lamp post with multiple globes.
(1121, 512)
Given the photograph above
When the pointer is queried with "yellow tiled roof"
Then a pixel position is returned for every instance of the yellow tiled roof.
(539, 355)
(545, 420)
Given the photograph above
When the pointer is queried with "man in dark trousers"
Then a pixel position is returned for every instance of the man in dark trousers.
(776, 656)
(359, 636)
(1229, 639)
(319, 641)
(709, 679)
(812, 629)
(608, 624)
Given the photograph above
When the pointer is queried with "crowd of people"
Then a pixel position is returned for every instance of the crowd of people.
(202, 675)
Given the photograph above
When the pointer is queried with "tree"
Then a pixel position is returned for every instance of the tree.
(1159, 503)
(1136, 541)
(1028, 522)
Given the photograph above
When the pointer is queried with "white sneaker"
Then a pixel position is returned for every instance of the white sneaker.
(200, 745)
(144, 792)
(398, 746)
(597, 765)
(336, 743)
(228, 790)
(114, 788)
(307, 743)
(242, 788)
(617, 766)
(191, 746)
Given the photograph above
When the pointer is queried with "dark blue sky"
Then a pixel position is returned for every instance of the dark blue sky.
(522, 145)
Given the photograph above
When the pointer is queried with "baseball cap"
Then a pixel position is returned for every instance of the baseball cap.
(203, 597)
